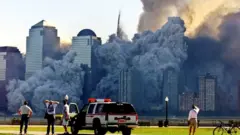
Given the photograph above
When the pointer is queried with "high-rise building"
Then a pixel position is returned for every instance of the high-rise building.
(207, 90)
(131, 88)
(187, 99)
(11, 67)
(170, 88)
(202, 91)
(211, 84)
(42, 42)
(84, 45)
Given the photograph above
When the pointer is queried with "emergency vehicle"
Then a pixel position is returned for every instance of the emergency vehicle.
(103, 115)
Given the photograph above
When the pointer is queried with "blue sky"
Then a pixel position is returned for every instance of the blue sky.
(69, 17)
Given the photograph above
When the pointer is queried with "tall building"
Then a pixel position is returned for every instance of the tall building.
(125, 86)
(207, 90)
(187, 99)
(11, 67)
(42, 42)
(202, 91)
(131, 88)
(84, 45)
(211, 84)
(170, 88)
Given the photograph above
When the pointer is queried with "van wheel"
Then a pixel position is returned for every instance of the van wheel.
(74, 128)
(97, 128)
(126, 131)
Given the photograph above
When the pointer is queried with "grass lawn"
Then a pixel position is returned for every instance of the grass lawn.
(138, 131)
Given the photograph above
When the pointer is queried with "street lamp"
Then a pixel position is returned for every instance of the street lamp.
(166, 121)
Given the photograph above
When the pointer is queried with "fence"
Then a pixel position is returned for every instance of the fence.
(6, 120)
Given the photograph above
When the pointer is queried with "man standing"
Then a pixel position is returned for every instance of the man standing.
(192, 119)
(66, 116)
(26, 112)
(51, 111)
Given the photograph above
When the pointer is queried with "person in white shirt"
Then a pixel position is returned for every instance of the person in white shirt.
(51, 111)
(192, 119)
(66, 116)
(26, 112)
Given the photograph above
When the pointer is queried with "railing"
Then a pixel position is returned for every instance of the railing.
(8, 120)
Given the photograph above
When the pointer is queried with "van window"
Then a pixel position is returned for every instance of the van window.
(118, 108)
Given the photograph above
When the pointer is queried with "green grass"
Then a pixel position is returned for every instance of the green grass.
(138, 131)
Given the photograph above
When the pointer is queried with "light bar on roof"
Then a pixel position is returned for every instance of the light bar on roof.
(92, 100)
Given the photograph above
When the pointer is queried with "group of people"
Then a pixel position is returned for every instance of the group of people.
(26, 112)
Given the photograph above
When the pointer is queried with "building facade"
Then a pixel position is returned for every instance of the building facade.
(170, 88)
(42, 42)
(11, 67)
(131, 88)
(207, 90)
(187, 99)
(84, 45)
(202, 91)
(211, 84)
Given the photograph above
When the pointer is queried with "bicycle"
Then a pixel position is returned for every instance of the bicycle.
(231, 129)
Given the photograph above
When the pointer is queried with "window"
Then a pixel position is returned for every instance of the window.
(91, 107)
(118, 108)
(84, 109)
(99, 108)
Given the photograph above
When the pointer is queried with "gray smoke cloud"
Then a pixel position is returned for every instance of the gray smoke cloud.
(150, 53)
(57, 79)
(199, 16)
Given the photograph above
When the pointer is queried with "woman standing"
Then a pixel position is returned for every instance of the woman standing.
(51, 111)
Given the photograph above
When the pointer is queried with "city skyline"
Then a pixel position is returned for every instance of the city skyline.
(14, 29)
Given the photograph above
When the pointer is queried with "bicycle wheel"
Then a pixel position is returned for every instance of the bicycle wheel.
(218, 131)
(235, 131)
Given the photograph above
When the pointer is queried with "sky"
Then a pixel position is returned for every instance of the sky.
(68, 16)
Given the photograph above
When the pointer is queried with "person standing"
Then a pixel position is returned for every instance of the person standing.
(26, 112)
(51, 111)
(192, 119)
(66, 116)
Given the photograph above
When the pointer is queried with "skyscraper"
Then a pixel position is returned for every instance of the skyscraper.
(207, 90)
(131, 88)
(202, 91)
(42, 42)
(211, 84)
(11, 67)
(170, 88)
(84, 45)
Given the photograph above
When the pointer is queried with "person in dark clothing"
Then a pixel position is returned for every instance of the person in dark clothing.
(26, 112)
(51, 111)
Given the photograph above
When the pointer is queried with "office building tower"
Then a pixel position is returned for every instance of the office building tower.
(11, 67)
(84, 45)
(202, 91)
(170, 88)
(42, 42)
(187, 99)
(211, 84)
(207, 91)
(131, 88)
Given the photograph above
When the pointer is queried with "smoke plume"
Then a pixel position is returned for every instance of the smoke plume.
(58, 78)
(199, 16)
(150, 53)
